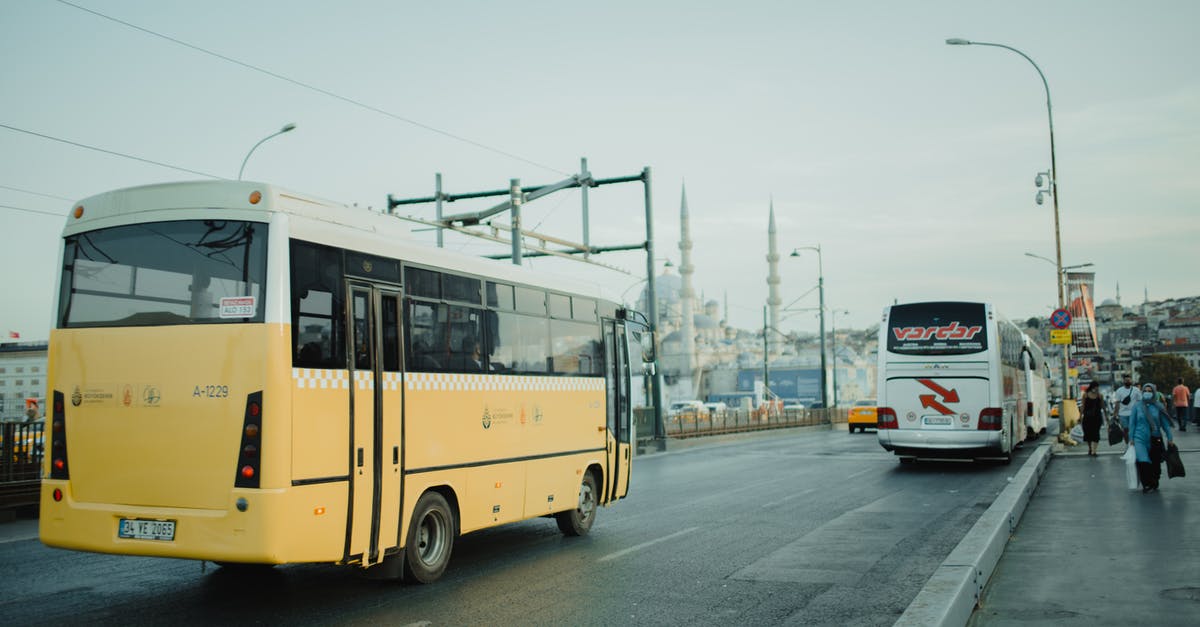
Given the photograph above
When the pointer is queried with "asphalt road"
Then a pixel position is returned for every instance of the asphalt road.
(790, 527)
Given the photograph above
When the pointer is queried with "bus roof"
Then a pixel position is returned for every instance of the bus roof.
(310, 218)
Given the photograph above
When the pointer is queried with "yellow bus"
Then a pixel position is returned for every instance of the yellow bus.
(247, 375)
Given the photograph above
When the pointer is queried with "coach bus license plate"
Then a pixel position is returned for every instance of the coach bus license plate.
(937, 420)
(147, 529)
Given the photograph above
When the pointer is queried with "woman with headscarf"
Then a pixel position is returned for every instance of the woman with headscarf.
(1093, 417)
(1149, 433)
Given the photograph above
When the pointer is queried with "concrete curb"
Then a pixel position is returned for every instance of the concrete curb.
(954, 590)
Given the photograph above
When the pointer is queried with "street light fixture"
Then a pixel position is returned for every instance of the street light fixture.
(821, 305)
(1063, 272)
(287, 128)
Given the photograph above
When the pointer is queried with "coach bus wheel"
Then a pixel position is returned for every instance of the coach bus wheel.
(430, 539)
(578, 521)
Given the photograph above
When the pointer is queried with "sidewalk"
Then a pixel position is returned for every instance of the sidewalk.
(1089, 551)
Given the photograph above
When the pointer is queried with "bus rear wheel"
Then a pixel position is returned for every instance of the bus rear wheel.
(430, 539)
(578, 521)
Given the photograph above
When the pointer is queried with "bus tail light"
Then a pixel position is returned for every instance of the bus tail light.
(991, 419)
(885, 418)
(59, 469)
(249, 456)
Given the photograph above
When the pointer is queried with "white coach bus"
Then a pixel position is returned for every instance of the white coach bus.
(1037, 382)
(951, 382)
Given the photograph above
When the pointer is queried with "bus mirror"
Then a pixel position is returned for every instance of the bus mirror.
(647, 341)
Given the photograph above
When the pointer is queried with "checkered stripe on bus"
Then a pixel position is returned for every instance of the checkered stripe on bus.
(436, 381)
(317, 379)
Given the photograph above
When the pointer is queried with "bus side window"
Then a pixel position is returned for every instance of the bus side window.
(317, 325)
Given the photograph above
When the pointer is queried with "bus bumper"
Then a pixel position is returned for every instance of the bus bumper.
(942, 443)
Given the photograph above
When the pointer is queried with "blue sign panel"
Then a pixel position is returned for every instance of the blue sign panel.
(801, 385)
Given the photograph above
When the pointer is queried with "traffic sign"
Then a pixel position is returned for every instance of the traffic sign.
(1060, 319)
(1060, 336)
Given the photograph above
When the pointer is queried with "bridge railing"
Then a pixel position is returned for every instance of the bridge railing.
(21, 449)
(691, 424)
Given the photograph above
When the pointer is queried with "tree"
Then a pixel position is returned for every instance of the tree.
(1164, 371)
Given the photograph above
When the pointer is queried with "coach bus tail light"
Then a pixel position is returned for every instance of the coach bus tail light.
(991, 419)
(886, 418)
(250, 448)
(59, 469)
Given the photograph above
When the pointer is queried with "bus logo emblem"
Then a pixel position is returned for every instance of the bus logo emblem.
(76, 397)
(487, 419)
(929, 401)
(150, 396)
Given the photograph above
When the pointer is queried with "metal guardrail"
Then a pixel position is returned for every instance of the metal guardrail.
(689, 425)
(22, 445)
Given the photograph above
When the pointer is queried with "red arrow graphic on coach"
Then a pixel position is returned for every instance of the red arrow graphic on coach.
(929, 401)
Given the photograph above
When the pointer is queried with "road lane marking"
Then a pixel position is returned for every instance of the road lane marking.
(860, 473)
(638, 547)
(788, 498)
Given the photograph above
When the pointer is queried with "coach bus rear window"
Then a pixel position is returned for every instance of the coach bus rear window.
(162, 273)
(937, 329)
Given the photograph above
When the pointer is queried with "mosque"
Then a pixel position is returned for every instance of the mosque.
(702, 357)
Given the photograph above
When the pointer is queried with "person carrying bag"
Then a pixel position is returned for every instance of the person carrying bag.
(1148, 426)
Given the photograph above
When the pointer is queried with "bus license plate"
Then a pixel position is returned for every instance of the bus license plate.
(147, 529)
(937, 420)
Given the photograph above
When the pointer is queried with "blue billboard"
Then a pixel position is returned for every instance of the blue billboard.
(798, 385)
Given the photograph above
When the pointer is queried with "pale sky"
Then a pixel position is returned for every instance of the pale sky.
(909, 161)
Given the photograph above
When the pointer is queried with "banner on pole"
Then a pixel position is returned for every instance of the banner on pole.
(1080, 288)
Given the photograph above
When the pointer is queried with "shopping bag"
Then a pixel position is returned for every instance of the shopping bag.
(1174, 464)
(1131, 478)
(1115, 433)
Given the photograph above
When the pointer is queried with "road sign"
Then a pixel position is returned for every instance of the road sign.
(1060, 319)
(1060, 336)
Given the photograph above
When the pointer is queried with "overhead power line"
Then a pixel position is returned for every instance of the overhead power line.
(111, 152)
(49, 213)
(29, 191)
(319, 90)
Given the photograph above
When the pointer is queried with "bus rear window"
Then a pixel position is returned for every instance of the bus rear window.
(937, 329)
(164, 273)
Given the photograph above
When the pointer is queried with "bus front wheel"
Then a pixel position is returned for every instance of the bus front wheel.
(578, 521)
(430, 539)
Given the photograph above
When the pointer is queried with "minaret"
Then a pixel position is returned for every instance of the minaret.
(686, 293)
(773, 299)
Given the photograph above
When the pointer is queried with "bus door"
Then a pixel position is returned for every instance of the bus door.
(616, 374)
(375, 423)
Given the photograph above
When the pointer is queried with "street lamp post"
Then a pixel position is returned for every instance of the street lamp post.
(1062, 414)
(821, 305)
(287, 128)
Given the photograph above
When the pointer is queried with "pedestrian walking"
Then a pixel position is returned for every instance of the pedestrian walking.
(1150, 434)
(1124, 398)
(1093, 417)
(1180, 395)
(1196, 408)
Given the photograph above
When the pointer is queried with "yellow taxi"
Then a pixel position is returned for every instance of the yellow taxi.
(862, 415)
